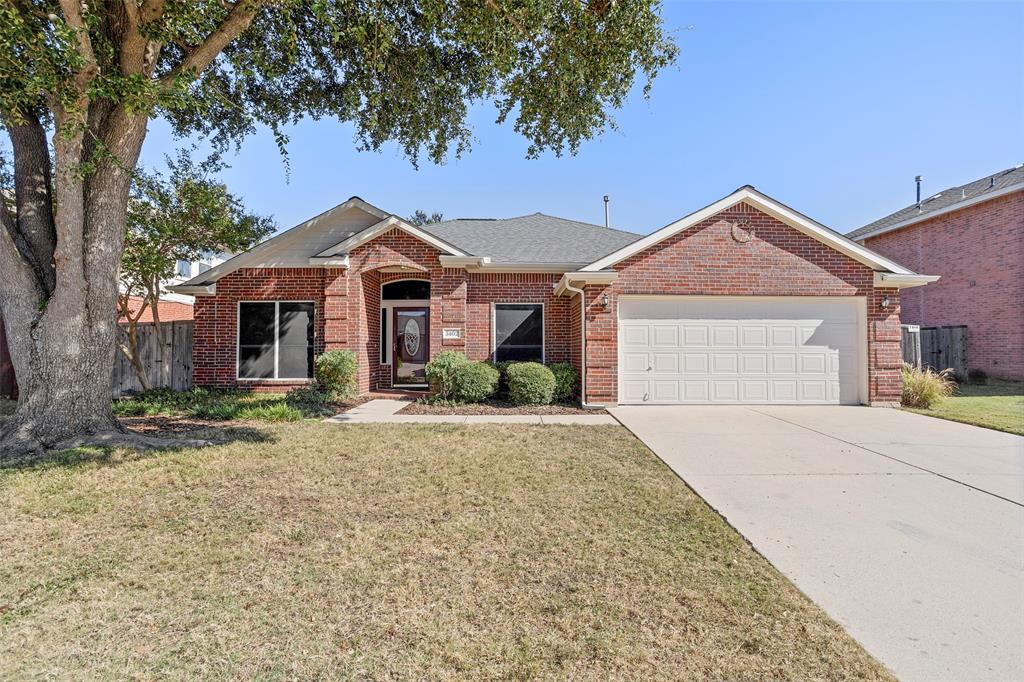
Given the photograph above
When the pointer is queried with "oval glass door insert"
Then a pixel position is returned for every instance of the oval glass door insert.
(411, 337)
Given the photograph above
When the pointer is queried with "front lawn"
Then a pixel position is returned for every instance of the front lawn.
(223, 405)
(996, 405)
(400, 551)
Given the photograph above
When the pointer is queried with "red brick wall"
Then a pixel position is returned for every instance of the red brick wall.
(706, 260)
(979, 252)
(215, 346)
(485, 289)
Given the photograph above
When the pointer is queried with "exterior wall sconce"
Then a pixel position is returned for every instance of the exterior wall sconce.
(606, 302)
(884, 305)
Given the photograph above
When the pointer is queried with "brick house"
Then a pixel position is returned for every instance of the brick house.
(743, 301)
(973, 236)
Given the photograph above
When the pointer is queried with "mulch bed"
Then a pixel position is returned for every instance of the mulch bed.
(495, 407)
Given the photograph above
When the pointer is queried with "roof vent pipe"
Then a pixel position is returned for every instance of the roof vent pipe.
(992, 182)
(606, 210)
(918, 179)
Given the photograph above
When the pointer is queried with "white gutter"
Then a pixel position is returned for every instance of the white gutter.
(1009, 189)
(329, 261)
(484, 264)
(895, 281)
(195, 289)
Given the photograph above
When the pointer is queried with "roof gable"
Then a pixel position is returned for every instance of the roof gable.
(389, 223)
(766, 204)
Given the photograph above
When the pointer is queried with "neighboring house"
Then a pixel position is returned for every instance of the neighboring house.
(973, 236)
(175, 307)
(170, 311)
(743, 301)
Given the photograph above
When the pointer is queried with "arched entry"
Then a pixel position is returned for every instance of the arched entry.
(405, 330)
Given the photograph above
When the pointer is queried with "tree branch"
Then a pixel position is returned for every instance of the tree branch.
(73, 17)
(237, 21)
(34, 231)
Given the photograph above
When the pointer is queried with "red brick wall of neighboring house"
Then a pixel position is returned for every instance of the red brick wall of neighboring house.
(170, 311)
(979, 252)
(779, 261)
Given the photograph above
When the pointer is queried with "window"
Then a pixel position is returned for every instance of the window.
(406, 290)
(518, 332)
(184, 268)
(275, 340)
(384, 336)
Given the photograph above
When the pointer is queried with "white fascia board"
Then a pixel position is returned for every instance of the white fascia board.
(484, 264)
(582, 278)
(383, 226)
(329, 262)
(195, 289)
(767, 205)
(242, 259)
(966, 203)
(466, 262)
(899, 281)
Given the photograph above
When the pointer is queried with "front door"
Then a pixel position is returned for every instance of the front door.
(412, 346)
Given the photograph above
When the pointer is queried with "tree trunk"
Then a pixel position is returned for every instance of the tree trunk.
(63, 344)
(64, 383)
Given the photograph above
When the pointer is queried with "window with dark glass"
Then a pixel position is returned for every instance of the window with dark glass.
(518, 332)
(406, 290)
(275, 340)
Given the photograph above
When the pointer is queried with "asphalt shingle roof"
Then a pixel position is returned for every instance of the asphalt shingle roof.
(947, 198)
(535, 238)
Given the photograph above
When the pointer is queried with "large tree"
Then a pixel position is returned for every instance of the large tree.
(79, 81)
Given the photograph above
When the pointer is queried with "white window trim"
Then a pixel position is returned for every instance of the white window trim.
(543, 328)
(399, 303)
(277, 340)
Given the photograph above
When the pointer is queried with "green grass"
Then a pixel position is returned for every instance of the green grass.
(393, 552)
(224, 405)
(997, 405)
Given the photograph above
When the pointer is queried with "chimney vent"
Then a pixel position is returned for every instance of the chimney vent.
(918, 179)
(606, 210)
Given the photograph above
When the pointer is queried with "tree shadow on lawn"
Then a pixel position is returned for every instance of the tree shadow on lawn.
(993, 387)
(169, 428)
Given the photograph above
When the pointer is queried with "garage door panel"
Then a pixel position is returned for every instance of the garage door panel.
(732, 350)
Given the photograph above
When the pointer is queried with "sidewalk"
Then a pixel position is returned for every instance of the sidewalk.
(385, 411)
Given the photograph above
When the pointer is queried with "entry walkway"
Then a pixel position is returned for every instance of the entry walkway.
(386, 411)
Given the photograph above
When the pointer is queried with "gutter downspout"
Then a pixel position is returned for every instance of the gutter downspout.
(583, 343)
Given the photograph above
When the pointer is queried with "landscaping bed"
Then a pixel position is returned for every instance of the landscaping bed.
(306, 550)
(494, 407)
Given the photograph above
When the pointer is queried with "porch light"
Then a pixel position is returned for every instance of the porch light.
(885, 302)
(606, 302)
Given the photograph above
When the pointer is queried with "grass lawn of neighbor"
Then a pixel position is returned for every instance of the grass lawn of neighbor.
(996, 405)
(302, 550)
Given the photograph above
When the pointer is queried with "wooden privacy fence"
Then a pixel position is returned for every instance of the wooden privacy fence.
(175, 371)
(936, 347)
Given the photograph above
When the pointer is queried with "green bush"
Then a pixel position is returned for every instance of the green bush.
(455, 379)
(502, 368)
(475, 382)
(442, 372)
(924, 387)
(565, 381)
(530, 383)
(336, 371)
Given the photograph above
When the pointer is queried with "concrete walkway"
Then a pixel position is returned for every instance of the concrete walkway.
(385, 411)
(908, 530)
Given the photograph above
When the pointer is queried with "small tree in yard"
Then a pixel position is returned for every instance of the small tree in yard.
(80, 80)
(170, 218)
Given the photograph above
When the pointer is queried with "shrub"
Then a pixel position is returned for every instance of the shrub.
(502, 368)
(923, 387)
(530, 383)
(565, 381)
(442, 371)
(335, 372)
(475, 382)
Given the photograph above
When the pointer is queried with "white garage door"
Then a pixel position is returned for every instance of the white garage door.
(741, 350)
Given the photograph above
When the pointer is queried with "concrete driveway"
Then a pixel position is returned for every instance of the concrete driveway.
(908, 530)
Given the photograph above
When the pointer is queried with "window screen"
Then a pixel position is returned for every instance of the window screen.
(518, 332)
(275, 340)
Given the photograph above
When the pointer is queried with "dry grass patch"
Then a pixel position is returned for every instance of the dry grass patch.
(364, 551)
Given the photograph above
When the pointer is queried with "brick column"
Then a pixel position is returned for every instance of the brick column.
(885, 356)
(448, 309)
(602, 347)
(336, 334)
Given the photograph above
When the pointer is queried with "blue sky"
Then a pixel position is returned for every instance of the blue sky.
(832, 108)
